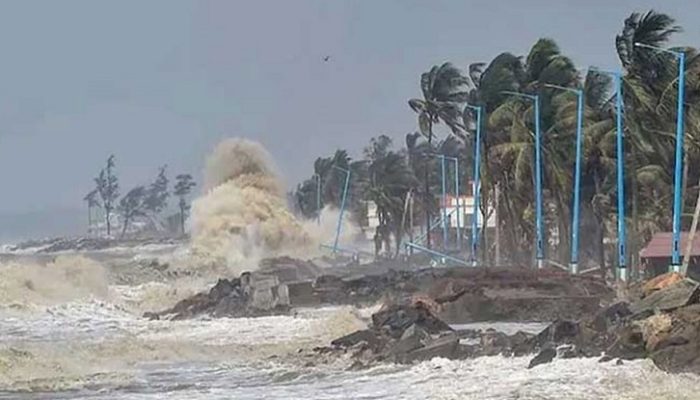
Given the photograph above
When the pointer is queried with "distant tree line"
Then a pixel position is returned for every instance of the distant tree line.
(146, 202)
(384, 175)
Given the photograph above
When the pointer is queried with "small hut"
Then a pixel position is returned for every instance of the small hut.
(656, 255)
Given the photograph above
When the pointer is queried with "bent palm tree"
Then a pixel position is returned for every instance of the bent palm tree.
(444, 89)
(390, 180)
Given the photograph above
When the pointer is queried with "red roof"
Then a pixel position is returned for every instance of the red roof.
(660, 245)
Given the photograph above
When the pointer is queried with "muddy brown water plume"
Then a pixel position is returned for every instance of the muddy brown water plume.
(242, 215)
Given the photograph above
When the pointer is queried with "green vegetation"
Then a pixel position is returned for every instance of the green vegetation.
(386, 176)
(146, 203)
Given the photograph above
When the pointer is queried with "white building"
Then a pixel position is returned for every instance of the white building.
(372, 220)
(465, 213)
(464, 210)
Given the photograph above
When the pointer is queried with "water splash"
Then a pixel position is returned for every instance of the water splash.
(67, 278)
(242, 216)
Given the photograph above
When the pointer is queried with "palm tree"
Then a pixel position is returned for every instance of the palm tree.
(651, 28)
(332, 180)
(510, 139)
(598, 170)
(92, 202)
(650, 85)
(444, 90)
(390, 180)
(305, 196)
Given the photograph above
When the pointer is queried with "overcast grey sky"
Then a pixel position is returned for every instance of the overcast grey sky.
(160, 82)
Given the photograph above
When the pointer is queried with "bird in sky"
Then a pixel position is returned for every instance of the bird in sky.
(326, 58)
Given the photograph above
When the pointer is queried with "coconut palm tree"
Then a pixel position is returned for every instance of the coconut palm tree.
(650, 85)
(444, 90)
(510, 139)
(390, 180)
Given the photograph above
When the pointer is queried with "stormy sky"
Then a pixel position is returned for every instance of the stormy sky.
(161, 81)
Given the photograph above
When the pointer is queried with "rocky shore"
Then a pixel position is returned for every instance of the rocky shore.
(463, 294)
(659, 319)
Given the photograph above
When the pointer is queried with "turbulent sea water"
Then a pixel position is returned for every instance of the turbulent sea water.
(95, 345)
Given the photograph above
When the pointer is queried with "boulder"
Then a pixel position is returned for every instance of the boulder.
(675, 295)
(654, 329)
(444, 347)
(365, 335)
(413, 338)
(610, 316)
(302, 294)
(629, 344)
(558, 332)
(494, 343)
(248, 296)
(395, 319)
(660, 282)
(678, 347)
(545, 356)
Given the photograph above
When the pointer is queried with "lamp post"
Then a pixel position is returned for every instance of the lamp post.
(539, 255)
(677, 174)
(342, 206)
(621, 230)
(577, 175)
(476, 184)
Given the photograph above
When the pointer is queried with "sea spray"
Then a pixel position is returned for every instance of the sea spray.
(93, 344)
(67, 278)
(242, 215)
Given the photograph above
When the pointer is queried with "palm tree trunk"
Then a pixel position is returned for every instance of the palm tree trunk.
(182, 219)
(691, 235)
(484, 209)
(600, 229)
(398, 235)
(109, 225)
(497, 238)
(600, 234)
(514, 252)
(410, 224)
(634, 246)
(684, 187)
(402, 229)
(89, 219)
(126, 225)
(563, 226)
(427, 199)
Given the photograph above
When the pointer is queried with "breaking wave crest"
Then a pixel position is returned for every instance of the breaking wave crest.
(243, 215)
(74, 346)
(67, 278)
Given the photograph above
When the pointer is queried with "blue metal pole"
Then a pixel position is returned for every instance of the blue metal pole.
(435, 253)
(444, 203)
(342, 210)
(438, 222)
(577, 183)
(459, 225)
(677, 184)
(476, 186)
(538, 186)
(621, 230)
